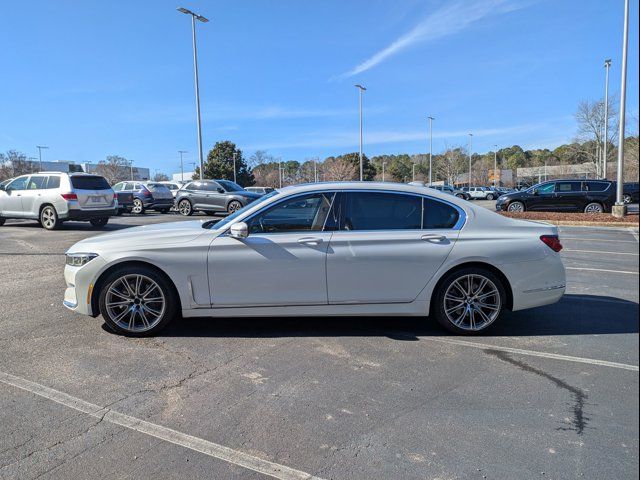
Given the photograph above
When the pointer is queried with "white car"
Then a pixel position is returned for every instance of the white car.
(321, 249)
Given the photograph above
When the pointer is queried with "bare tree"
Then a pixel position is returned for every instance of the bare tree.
(14, 164)
(160, 177)
(450, 165)
(339, 169)
(590, 138)
(115, 169)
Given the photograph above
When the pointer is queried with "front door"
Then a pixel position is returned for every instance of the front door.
(11, 200)
(282, 261)
(389, 246)
(544, 198)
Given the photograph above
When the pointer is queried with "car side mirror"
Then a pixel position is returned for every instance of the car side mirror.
(220, 190)
(536, 191)
(239, 230)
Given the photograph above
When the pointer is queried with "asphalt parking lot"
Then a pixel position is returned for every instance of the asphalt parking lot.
(547, 393)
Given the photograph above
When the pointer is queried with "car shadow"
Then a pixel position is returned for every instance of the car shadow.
(573, 315)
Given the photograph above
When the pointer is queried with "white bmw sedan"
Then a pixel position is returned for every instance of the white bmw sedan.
(321, 249)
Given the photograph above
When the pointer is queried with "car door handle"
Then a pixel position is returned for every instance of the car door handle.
(310, 240)
(429, 237)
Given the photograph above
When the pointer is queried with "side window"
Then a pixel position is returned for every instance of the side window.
(299, 214)
(211, 187)
(117, 187)
(190, 186)
(547, 188)
(37, 182)
(129, 186)
(595, 186)
(567, 187)
(53, 182)
(438, 215)
(382, 211)
(19, 183)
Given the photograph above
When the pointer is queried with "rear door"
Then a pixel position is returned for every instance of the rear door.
(388, 246)
(215, 196)
(569, 196)
(93, 191)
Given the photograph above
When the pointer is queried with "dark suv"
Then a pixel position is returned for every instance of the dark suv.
(589, 196)
(213, 196)
(146, 196)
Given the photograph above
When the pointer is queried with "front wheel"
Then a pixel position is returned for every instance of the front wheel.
(593, 208)
(489, 197)
(49, 218)
(137, 301)
(460, 195)
(626, 198)
(138, 206)
(469, 301)
(517, 207)
(99, 222)
(185, 208)
(233, 206)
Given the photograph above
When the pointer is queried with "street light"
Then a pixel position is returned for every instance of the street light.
(470, 144)
(620, 209)
(607, 65)
(431, 119)
(235, 178)
(413, 172)
(131, 168)
(40, 147)
(384, 163)
(181, 152)
(495, 164)
(194, 17)
(361, 89)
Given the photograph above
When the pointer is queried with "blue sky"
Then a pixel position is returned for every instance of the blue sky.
(94, 78)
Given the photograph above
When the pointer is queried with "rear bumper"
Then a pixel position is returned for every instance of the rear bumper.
(77, 214)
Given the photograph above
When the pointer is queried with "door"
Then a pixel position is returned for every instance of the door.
(11, 197)
(215, 198)
(388, 246)
(544, 199)
(569, 196)
(281, 262)
(32, 196)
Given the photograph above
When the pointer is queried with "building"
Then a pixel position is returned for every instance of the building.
(133, 172)
(177, 177)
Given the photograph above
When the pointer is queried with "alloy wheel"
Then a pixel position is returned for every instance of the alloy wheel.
(137, 206)
(593, 208)
(48, 218)
(234, 207)
(184, 207)
(135, 303)
(516, 207)
(472, 302)
(626, 199)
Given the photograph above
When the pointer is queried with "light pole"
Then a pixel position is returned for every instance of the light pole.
(470, 146)
(315, 170)
(280, 173)
(620, 209)
(40, 148)
(181, 152)
(194, 17)
(431, 119)
(384, 164)
(131, 169)
(413, 172)
(361, 89)
(235, 177)
(607, 65)
(495, 165)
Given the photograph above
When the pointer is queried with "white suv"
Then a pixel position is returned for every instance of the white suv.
(480, 193)
(54, 197)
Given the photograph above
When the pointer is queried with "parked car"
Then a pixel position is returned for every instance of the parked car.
(325, 249)
(55, 197)
(260, 190)
(213, 196)
(630, 194)
(480, 193)
(147, 196)
(589, 196)
(125, 202)
(452, 191)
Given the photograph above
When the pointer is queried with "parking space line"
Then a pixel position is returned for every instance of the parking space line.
(534, 353)
(634, 233)
(624, 272)
(211, 449)
(598, 252)
(597, 240)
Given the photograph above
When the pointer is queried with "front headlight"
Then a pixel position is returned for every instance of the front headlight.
(79, 259)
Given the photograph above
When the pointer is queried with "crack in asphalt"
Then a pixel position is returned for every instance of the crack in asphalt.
(580, 420)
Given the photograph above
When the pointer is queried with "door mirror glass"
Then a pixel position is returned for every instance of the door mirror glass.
(239, 230)
(536, 191)
(220, 190)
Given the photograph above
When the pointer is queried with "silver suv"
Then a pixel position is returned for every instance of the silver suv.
(54, 197)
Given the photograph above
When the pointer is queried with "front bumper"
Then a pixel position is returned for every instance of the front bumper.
(80, 282)
(78, 214)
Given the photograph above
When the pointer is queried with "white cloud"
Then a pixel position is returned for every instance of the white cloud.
(450, 19)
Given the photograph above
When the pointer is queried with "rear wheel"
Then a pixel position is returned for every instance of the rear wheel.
(233, 206)
(460, 195)
(99, 222)
(469, 301)
(517, 207)
(594, 207)
(490, 197)
(626, 198)
(137, 301)
(185, 208)
(49, 218)
(138, 206)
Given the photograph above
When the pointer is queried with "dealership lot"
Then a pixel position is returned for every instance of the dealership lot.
(547, 393)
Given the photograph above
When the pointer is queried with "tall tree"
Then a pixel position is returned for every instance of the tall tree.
(219, 164)
(115, 169)
(14, 164)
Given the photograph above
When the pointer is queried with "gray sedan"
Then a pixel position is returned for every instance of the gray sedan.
(212, 197)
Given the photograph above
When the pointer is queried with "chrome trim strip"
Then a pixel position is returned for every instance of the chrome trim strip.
(545, 289)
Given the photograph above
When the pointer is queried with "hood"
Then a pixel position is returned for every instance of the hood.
(144, 236)
(248, 194)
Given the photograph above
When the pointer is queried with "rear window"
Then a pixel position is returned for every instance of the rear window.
(156, 187)
(53, 182)
(595, 186)
(382, 211)
(438, 215)
(89, 183)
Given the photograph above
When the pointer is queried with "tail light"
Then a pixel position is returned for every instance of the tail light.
(69, 196)
(145, 192)
(552, 241)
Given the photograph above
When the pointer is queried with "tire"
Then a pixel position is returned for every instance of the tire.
(49, 218)
(626, 198)
(490, 197)
(517, 207)
(233, 206)
(138, 206)
(594, 207)
(465, 316)
(460, 195)
(125, 310)
(2, 220)
(185, 208)
(99, 222)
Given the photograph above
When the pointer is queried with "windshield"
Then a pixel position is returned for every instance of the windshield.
(227, 220)
(230, 186)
